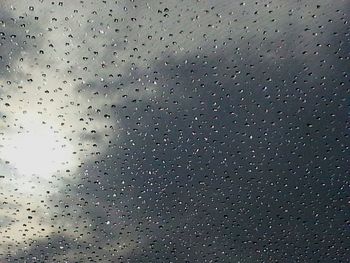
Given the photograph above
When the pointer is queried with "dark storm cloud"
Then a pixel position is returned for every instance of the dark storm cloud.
(221, 174)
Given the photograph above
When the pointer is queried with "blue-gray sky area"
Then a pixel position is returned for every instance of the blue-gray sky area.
(174, 131)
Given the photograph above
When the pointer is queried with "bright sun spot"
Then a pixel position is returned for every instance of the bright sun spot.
(37, 150)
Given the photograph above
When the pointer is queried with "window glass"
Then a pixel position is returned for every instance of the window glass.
(174, 131)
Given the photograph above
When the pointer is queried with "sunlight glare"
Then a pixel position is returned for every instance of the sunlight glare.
(38, 151)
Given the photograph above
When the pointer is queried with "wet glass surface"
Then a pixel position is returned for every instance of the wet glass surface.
(174, 131)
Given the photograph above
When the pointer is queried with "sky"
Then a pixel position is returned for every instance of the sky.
(174, 131)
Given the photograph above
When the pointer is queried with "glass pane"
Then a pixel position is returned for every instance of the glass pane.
(174, 131)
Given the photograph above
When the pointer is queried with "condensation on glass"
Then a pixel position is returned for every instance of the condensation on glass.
(174, 131)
